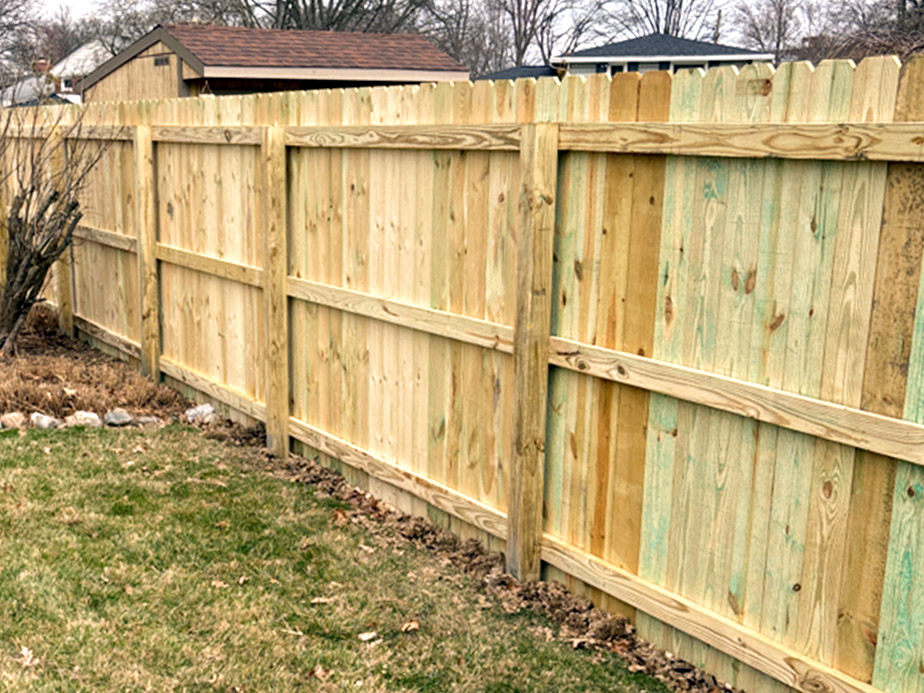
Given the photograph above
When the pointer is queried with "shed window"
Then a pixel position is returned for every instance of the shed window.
(161, 60)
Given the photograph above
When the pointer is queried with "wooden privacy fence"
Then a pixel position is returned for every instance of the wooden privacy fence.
(656, 336)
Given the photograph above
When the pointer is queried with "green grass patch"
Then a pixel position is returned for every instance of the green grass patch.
(136, 561)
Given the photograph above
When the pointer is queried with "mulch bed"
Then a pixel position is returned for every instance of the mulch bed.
(58, 376)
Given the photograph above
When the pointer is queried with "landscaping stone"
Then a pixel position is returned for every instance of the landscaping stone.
(83, 418)
(204, 413)
(147, 421)
(39, 420)
(117, 417)
(14, 419)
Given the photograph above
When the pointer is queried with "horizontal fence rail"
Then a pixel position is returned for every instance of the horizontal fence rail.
(807, 141)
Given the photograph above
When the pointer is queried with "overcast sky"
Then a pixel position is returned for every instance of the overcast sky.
(78, 8)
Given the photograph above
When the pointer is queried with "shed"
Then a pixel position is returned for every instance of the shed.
(194, 59)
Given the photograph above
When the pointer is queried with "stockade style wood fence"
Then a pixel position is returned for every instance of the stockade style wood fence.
(660, 337)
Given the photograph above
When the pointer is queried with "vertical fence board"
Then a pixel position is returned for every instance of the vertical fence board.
(899, 648)
(145, 219)
(539, 164)
(274, 292)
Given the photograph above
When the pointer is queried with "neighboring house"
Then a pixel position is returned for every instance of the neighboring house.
(29, 91)
(74, 67)
(656, 52)
(193, 59)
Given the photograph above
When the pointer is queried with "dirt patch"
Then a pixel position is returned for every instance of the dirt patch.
(581, 624)
(56, 375)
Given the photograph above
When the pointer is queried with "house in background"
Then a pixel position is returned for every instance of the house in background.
(656, 52)
(70, 70)
(194, 59)
(652, 52)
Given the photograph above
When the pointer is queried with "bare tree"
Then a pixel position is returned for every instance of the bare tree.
(472, 31)
(565, 27)
(16, 18)
(695, 19)
(770, 26)
(338, 15)
(46, 165)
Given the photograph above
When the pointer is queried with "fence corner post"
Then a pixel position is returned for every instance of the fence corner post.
(536, 236)
(275, 299)
(147, 260)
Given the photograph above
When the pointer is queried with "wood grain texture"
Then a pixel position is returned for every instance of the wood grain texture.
(274, 292)
(235, 399)
(899, 647)
(126, 346)
(450, 325)
(145, 217)
(243, 274)
(811, 141)
(430, 137)
(846, 425)
(107, 238)
(206, 134)
(539, 163)
(440, 496)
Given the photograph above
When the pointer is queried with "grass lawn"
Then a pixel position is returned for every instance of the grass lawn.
(143, 560)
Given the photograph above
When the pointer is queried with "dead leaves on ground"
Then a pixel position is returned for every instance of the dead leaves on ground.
(27, 659)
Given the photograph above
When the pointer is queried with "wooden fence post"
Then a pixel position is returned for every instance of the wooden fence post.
(275, 299)
(64, 294)
(539, 171)
(147, 261)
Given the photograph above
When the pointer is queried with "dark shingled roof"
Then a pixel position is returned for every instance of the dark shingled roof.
(520, 72)
(243, 47)
(658, 45)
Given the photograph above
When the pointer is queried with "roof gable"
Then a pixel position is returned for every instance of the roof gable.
(661, 45)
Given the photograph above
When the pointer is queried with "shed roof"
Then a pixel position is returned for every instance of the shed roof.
(225, 51)
(246, 47)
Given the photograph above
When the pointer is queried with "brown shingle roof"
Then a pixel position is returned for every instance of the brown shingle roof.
(244, 47)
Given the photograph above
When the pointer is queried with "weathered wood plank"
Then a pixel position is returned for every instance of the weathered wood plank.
(234, 398)
(108, 238)
(834, 141)
(440, 496)
(245, 274)
(123, 344)
(274, 292)
(488, 137)
(900, 641)
(459, 327)
(206, 134)
(846, 425)
(539, 166)
(146, 225)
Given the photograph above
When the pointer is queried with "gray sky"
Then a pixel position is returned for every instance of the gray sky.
(78, 8)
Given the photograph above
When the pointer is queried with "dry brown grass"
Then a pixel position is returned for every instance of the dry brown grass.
(58, 376)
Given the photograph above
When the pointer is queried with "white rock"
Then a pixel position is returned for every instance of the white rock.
(83, 418)
(39, 420)
(147, 421)
(14, 419)
(203, 412)
(117, 417)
